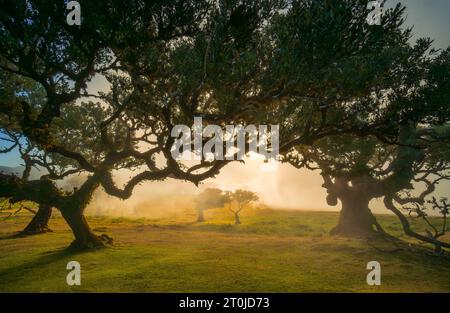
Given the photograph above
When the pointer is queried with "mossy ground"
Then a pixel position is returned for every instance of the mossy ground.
(271, 251)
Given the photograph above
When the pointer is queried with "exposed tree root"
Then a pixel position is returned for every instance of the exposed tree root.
(35, 231)
(92, 242)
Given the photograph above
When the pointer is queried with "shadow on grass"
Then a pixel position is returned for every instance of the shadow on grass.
(10, 236)
(21, 234)
(45, 258)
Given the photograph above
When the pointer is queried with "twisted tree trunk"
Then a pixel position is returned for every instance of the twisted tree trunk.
(73, 212)
(355, 192)
(85, 238)
(355, 218)
(39, 223)
(72, 207)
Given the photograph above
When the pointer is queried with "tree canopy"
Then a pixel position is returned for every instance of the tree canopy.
(316, 68)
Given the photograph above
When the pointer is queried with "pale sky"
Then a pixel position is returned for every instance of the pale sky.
(430, 18)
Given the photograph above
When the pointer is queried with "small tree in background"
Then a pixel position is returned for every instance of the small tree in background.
(165, 63)
(239, 200)
(210, 198)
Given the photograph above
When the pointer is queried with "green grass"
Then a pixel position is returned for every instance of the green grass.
(272, 251)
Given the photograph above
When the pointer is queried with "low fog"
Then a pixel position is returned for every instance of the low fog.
(283, 188)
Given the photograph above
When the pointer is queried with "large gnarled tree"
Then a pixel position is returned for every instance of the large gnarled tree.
(166, 62)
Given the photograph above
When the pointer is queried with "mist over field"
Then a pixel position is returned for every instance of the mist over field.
(283, 188)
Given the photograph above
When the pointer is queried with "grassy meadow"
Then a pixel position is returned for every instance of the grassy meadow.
(271, 251)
